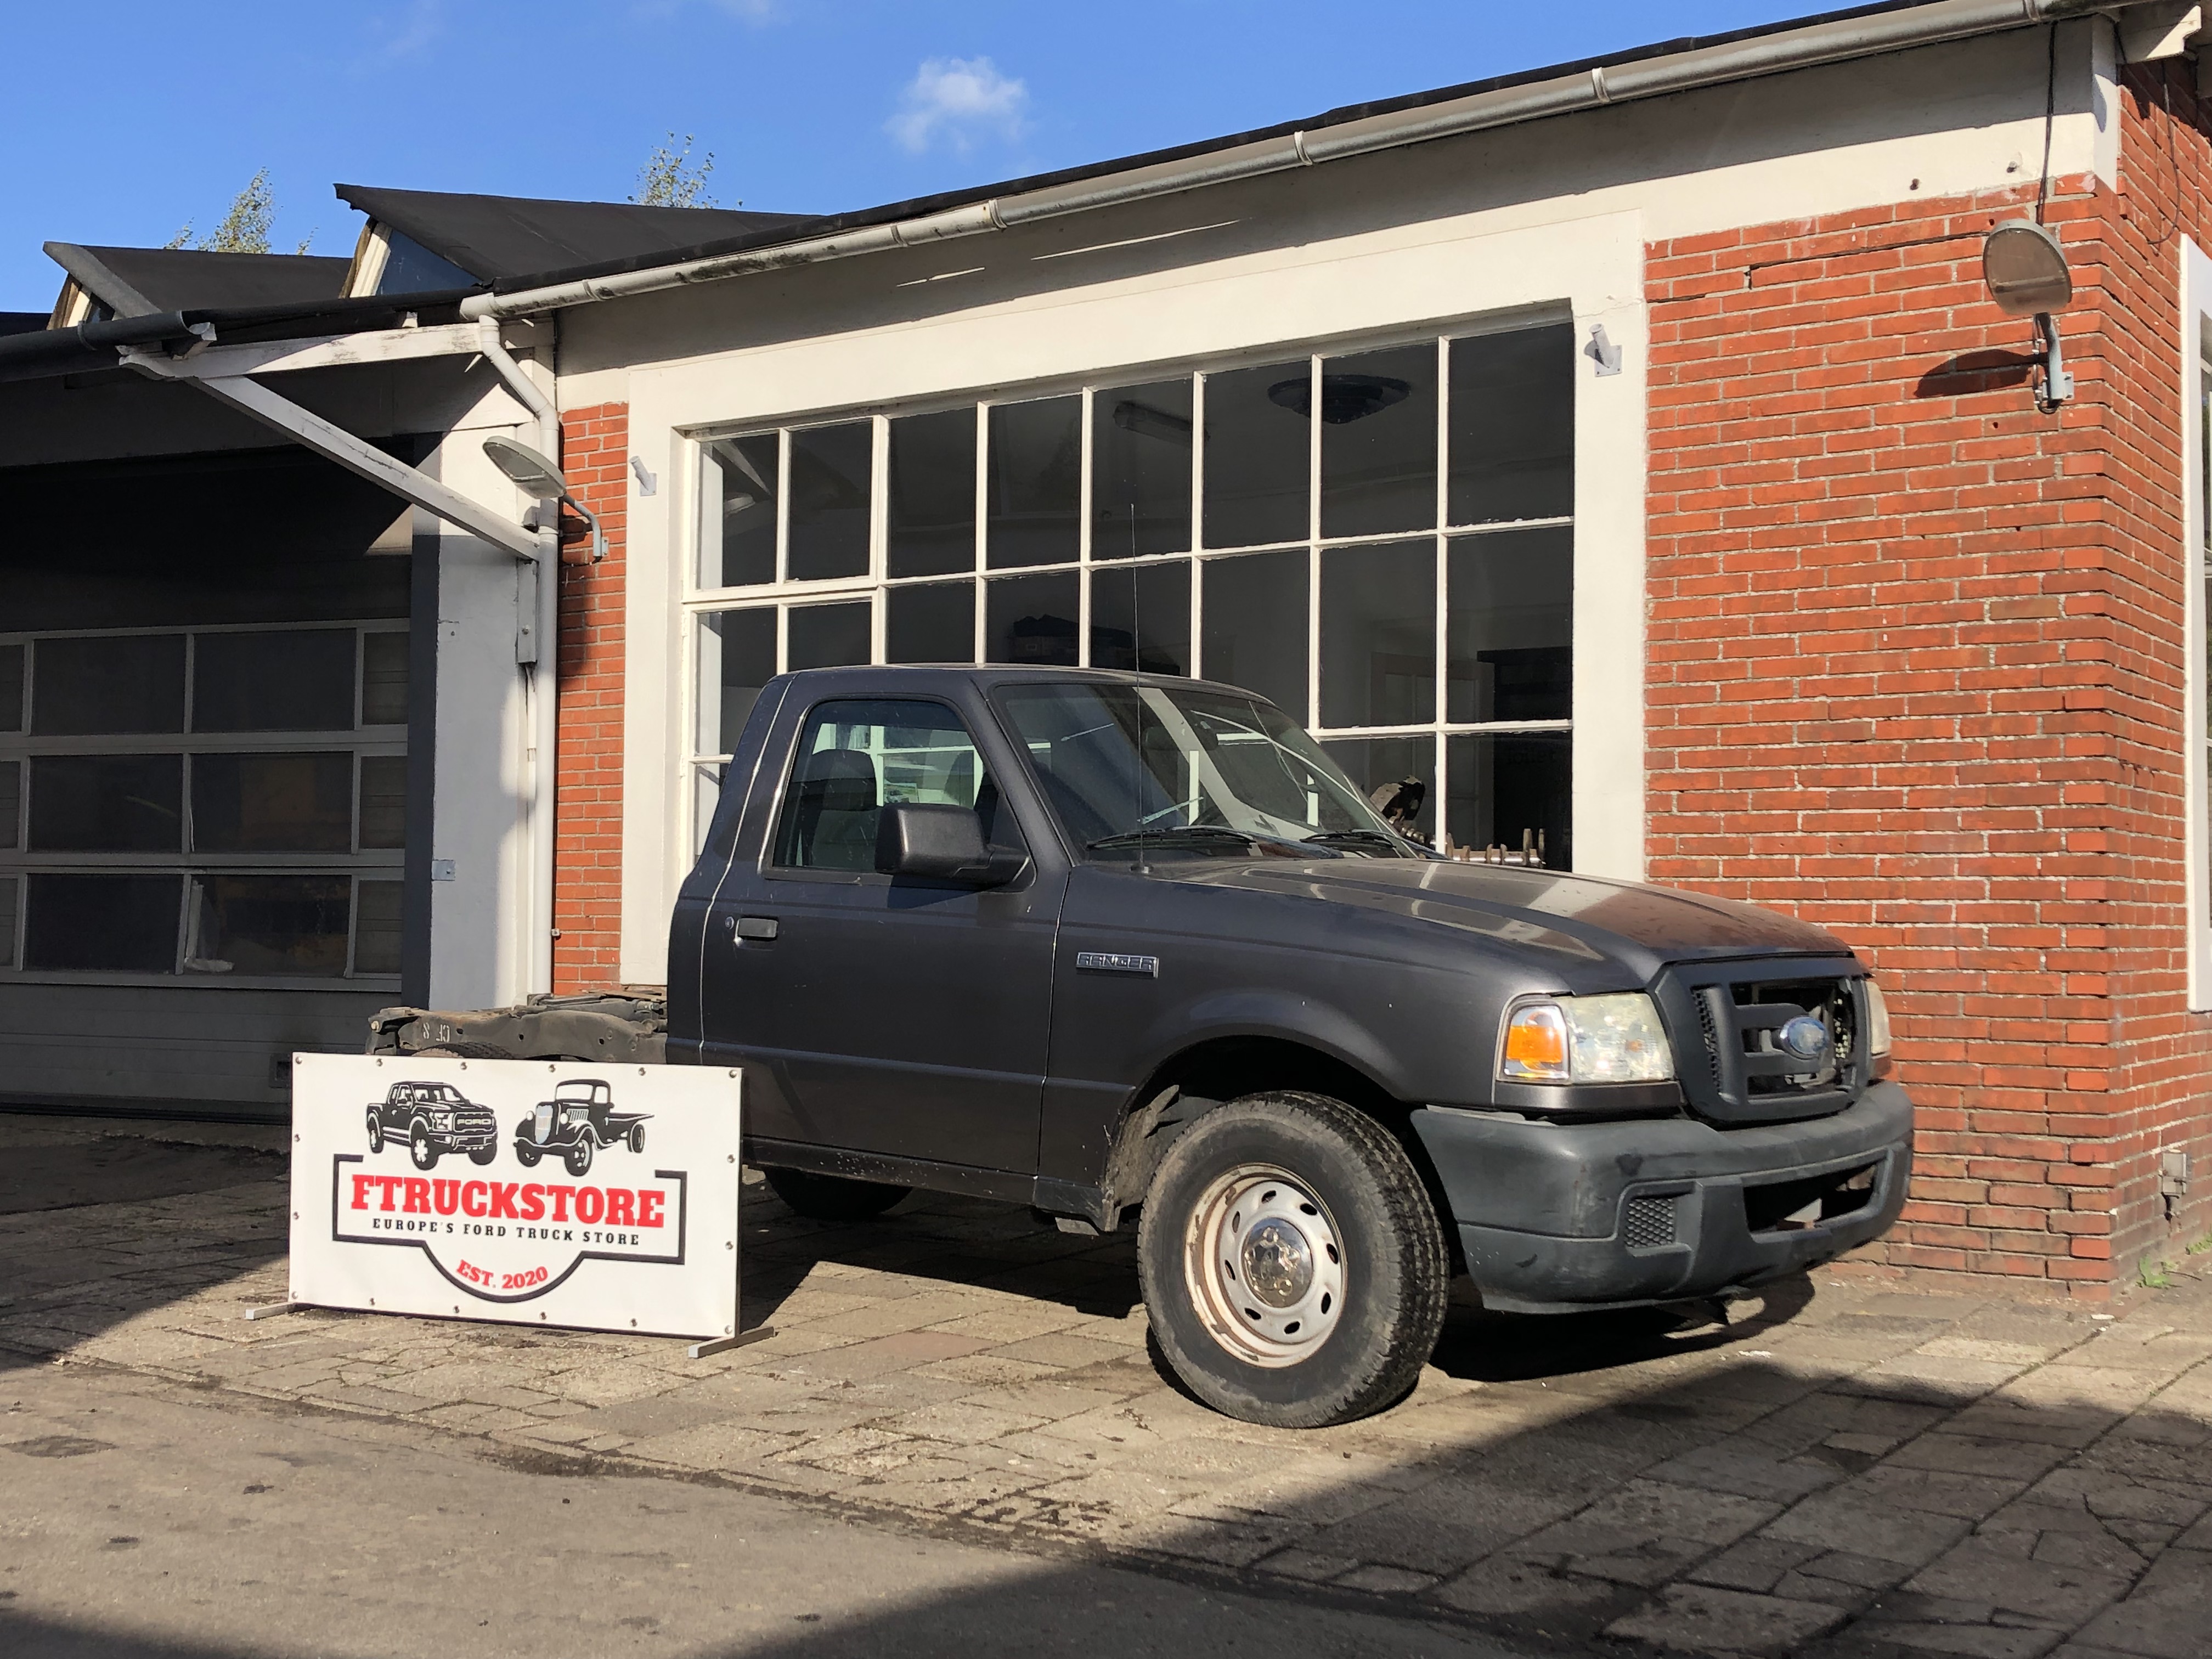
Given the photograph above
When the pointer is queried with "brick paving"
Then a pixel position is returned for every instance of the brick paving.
(1843, 1471)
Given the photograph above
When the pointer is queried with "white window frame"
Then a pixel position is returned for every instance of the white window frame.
(2194, 345)
(698, 771)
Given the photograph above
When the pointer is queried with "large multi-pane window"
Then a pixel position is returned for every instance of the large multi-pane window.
(1379, 538)
(219, 806)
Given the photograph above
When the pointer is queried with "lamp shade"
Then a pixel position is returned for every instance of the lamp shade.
(2025, 269)
(527, 467)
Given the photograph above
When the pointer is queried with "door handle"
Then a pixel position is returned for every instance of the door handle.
(759, 927)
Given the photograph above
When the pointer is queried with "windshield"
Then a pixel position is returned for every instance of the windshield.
(1124, 765)
(573, 1094)
(444, 1094)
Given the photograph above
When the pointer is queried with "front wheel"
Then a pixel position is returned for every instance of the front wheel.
(526, 1154)
(1293, 1267)
(481, 1156)
(578, 1157)
(421, 1149)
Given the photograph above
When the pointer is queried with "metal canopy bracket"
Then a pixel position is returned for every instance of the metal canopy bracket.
(250, 398)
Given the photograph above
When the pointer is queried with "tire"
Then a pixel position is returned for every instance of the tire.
(1294, 1269)
(375, 1132)
(833, 1198)
(482, 1157)
(420, 1148)
(637, 1138)
(526, 1154)
(463, 1051)
(577, 1157)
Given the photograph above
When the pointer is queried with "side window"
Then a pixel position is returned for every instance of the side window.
(855, 757)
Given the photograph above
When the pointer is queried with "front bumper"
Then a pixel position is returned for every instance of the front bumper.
(1556, 1217)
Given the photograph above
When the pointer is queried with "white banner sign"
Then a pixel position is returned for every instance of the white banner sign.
(603, 1197)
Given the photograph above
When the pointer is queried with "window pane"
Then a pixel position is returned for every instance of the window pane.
(737, 511)
(115, 924)
(376, 927)
(1506, 791)
(11, 687)
(1140, 438)
(290, 925)
(1255, 613)
(11, 801)
(933, 623)
(1378, 635)
(1036, 485)
(289, 682)
(1031, 619)
(1513, 426)
(82, 686)
(1378, 442)
(737, 658)
(383, 800)
(853, 757)
(383, 679)
(1380, 765)
(9, 889)
(1256, 462)
(1510, 627)
(1140, 617)
(107, 802)
(932, 504)
(272, 803)
(831, 477)
(830, 635)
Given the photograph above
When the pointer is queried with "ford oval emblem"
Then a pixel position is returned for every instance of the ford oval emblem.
(1805, 1037)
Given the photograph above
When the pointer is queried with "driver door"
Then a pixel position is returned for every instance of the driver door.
(905, 1017)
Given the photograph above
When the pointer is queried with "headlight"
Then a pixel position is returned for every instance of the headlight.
(441, 1120)
(1877, 1020)
(1607, 1039)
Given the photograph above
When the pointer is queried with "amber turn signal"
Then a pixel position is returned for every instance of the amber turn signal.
(1537, 1044)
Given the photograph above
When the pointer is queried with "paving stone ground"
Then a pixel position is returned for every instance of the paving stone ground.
(1844, 1470)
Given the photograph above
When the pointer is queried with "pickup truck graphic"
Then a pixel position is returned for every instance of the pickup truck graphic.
(575, 1124)
(432, 1119)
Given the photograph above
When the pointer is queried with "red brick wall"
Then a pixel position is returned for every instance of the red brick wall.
(587, 814)
(1915, 674)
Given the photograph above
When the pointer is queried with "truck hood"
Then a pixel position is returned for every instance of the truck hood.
(1545, 911)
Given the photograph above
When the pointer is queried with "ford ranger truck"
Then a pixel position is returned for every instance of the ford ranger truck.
(1122, 946)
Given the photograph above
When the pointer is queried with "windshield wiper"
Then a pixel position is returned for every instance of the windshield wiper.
(1197, 832)
(1355, 838)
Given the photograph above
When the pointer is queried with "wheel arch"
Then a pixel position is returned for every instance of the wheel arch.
(1224, 1066)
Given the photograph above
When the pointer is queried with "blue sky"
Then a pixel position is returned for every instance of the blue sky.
(121, 130)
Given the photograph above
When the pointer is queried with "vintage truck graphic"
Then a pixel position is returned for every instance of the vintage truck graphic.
(575, 1124)
(432, 1119)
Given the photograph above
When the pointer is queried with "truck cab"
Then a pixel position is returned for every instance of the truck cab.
(1121, 946)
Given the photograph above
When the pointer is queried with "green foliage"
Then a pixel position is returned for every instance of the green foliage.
(670, 178)
(2152, 1275)
(244, 228)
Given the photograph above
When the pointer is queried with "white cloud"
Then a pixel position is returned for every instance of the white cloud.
(957, 100)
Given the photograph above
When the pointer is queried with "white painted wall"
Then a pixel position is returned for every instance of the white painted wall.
(1557, 212)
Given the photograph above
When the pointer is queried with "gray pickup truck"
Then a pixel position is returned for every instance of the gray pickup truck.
(1117, 945)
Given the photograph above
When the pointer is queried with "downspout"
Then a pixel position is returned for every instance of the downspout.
(542, 675)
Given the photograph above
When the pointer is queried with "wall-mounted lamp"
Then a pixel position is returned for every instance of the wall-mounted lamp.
(2025, 269)
(537, 475)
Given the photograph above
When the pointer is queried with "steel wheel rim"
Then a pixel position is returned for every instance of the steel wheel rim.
(1264, 1262)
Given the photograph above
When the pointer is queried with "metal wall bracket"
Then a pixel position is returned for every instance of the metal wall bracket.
(1600, 350)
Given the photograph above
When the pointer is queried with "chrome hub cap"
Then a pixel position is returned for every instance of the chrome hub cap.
(1265, 1265)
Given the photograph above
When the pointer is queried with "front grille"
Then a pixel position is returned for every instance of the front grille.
(1809, 1201)
(1648, 1223)
(1743, 1017)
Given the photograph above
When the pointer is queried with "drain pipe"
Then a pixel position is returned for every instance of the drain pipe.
(542, 671)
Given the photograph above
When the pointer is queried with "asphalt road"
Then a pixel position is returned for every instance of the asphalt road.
(140, 1519)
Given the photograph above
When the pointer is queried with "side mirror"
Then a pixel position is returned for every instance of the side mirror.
(943, 843)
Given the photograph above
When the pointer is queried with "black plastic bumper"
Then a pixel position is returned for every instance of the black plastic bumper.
(1555, 1217)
